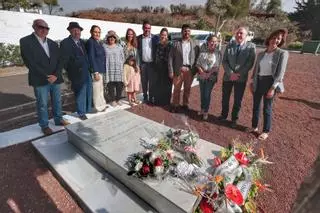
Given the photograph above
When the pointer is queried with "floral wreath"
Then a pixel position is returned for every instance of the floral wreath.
(235, 183)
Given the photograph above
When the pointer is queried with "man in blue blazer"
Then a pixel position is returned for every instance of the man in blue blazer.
(147, 50)
(238, 59)
(40, 54)
(74, 60)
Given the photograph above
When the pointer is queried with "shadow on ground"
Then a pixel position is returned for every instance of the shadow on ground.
(10, 100)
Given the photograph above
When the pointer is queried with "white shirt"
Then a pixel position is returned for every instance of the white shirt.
(207, 60)
(266, 65)
(44, 44)
(146, 49)
(186, 48)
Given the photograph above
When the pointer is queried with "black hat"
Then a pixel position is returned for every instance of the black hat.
(74, 25)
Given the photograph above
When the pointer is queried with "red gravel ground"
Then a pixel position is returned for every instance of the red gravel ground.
(28, 185)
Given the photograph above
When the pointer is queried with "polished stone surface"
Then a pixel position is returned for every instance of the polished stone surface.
(99, 191)
(111, 138)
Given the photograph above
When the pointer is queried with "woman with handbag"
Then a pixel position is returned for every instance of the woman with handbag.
(97, 60)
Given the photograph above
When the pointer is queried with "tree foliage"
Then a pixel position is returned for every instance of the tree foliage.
(52, 5)
(9, 4)
(307, 15)
(226, 9)
(274, 6)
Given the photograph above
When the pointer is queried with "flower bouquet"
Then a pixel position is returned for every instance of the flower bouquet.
(184, 141)
(157, 159)
(150, 163)
(235, 183)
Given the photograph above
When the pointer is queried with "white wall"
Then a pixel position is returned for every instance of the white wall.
(15, 25)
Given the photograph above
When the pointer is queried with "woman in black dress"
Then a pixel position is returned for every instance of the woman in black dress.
(163, 84)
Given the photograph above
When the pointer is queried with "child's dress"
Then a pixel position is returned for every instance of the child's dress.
(131, 79)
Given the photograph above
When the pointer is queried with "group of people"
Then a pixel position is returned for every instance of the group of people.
(154, 63)
(238, 59)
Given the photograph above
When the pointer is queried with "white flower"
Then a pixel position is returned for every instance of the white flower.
(138, 166)
(154, 155)
(158, 170)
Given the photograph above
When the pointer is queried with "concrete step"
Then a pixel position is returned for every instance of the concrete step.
(25, 114)
(93, 188)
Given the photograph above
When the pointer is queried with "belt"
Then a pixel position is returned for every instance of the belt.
(147, 62)
(265, 77)
(186, 65)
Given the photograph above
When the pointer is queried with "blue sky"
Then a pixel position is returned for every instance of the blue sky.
(74, 5)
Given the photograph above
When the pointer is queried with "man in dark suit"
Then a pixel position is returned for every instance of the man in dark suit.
(146, 49)
(75, 61)
(238, 59)
(40, 54)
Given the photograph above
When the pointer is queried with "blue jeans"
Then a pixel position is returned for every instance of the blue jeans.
(239, 88)
(205, 93)
(264, 84)
(83, 96)
(42, 96)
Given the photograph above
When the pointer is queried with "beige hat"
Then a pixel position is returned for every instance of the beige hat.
(112, 33)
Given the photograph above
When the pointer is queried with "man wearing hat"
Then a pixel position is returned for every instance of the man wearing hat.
(41, 55)
(75, 61)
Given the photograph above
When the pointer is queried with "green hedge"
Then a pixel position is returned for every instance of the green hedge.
(10, 55)
(297, 45)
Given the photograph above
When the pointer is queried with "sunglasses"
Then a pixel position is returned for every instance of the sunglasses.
(43, 27)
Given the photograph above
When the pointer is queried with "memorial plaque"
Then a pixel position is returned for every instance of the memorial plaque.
(109, 140)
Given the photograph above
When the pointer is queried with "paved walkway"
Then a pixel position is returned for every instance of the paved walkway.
(15, 90)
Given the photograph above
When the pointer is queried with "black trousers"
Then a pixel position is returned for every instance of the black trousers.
(239, 88)
(115, 90)
(162, 85)
(147, 80)
(263, 86)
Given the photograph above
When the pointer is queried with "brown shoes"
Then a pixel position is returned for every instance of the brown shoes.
(47, 131)
(63, 123)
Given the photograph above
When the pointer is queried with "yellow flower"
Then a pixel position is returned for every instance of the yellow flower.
(218, 178)
(198, 189)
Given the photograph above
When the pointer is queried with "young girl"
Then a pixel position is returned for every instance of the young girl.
(132, 79)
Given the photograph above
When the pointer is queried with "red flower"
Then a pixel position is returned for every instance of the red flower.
(233, 194)
(145, 170)
(205, 207)
(242, 158)
(214, 196)
(216, 161)
(158, 162)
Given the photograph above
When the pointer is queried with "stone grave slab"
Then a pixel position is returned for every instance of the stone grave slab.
(97, 190)
(110, 139)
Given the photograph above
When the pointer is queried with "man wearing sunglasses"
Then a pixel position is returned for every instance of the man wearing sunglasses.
(40, 54)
